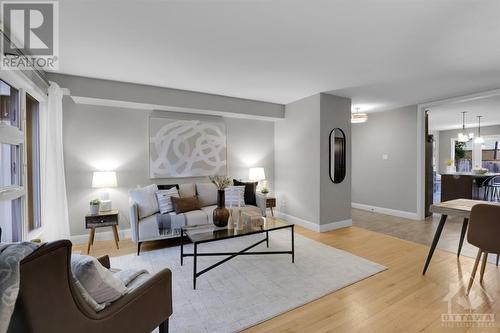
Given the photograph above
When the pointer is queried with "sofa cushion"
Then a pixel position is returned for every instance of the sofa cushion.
(196, 217)
(183, 205)
(187, 190)
(145, 198)
(207, 194)
(250, 189)
(99, 282)
(164, 199)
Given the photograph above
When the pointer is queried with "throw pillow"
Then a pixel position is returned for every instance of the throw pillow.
(183, 205)
(234, 196)
(99, 282)
(250, 189)
(187, 190)
(165, 201)
(145, 198)
(207, 194)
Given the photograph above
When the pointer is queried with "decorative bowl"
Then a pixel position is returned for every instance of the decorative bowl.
(480, 171)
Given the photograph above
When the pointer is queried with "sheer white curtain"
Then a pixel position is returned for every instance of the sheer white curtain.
(54, 202)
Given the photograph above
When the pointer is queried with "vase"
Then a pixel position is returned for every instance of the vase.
(221, 213)
(94, 209)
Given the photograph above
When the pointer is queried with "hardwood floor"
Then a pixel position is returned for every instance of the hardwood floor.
(399, 299)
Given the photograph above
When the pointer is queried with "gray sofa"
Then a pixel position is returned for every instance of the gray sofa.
(146, 228)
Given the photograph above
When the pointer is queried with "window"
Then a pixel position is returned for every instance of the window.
(33, 163)
(20, 207)
(11, 139)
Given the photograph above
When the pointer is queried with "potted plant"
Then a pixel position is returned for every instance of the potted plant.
(221, 213)
(94, 206)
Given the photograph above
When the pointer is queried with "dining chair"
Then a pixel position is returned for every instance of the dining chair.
(492, 189)
(484, 228)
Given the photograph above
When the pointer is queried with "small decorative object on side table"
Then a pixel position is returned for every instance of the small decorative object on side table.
(102, 219)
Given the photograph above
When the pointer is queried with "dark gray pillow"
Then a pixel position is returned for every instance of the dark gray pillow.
(250, 189)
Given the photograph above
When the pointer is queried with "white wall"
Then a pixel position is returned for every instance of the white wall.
(98, 138)
(390, 184)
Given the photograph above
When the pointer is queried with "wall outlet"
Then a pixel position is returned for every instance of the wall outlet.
(385, 156)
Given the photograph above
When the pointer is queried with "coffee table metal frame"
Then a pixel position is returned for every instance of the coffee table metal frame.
(231, 255)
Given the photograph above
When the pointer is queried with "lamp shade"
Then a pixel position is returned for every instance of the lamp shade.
(256, 174)
(104, 179)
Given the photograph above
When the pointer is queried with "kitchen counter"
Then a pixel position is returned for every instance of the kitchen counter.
(463, 185)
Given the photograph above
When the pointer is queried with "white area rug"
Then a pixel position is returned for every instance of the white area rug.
(250, 289)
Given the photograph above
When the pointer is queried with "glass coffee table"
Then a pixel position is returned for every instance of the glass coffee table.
(210, 233)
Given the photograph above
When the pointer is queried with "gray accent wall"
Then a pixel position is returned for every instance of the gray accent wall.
(387, 183)
(111, 138)
(297, 160)
(304, 188)
(445, 142)
(335, 199)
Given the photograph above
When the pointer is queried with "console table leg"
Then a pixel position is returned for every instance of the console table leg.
(267, 238)
(293, 247)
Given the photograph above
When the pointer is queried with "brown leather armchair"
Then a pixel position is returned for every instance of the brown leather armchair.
(49, 302)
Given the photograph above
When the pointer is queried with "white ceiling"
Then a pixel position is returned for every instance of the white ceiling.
(449, 116)
(382, 53)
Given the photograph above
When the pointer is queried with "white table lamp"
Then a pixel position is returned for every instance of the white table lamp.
(104, 180)
(258, 175)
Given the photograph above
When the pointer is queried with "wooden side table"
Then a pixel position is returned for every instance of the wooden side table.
(103, 219)
(271, 203)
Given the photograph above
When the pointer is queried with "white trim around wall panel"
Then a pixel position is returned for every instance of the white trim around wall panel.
(387, 211)
(104, 235)
(314, 226)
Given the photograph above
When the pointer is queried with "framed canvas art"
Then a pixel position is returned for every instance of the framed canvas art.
(186, 147)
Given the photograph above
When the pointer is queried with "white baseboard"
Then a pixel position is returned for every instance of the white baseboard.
(104, 235)
(314, 226)
(387, 211)
(335, 225)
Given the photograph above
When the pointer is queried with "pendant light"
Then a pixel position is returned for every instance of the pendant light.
(462, 137)
(479, 138)
(358, 117)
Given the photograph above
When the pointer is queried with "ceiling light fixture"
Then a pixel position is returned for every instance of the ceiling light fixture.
(462, 137)
(358, 117)
(479, 138)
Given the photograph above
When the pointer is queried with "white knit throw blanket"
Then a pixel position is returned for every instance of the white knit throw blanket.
(11, 255)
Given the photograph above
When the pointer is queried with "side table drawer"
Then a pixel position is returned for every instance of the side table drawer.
(270, 202)
(100, 221)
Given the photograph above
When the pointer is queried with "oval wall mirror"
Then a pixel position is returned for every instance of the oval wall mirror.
(337, 155)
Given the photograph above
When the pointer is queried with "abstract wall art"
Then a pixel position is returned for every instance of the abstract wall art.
(186, 147)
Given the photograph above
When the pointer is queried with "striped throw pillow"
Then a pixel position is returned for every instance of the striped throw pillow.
(165, 199)
(235, 196)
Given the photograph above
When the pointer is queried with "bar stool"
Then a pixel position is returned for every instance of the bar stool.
(492, 189)
(484, 228)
